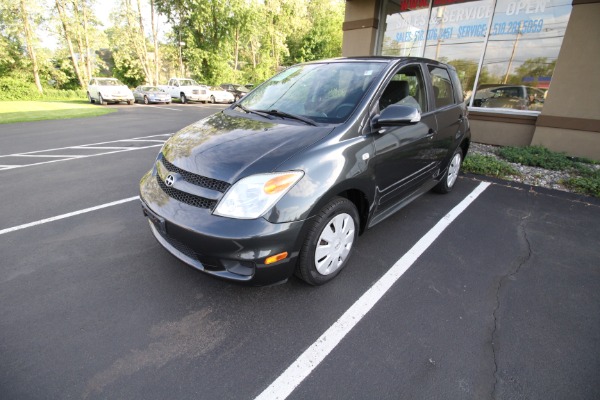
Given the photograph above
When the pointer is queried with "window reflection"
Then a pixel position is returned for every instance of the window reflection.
(519, 51)
(525, 39)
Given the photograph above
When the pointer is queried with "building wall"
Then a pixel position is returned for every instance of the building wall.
(570, 119)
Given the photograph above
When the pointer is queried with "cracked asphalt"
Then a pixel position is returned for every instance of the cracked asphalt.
(504, 305)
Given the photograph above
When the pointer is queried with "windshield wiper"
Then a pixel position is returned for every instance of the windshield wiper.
(249, 111)
(283, 114)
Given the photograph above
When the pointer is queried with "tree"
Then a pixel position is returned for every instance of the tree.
(30, 40)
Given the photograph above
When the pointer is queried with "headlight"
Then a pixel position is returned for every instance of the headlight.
(252, 196)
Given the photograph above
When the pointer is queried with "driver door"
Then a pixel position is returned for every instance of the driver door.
(404, 155)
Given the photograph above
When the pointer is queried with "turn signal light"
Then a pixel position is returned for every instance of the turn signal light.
(276, 257)
(279, 183)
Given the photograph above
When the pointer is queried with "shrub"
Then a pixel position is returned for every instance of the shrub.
(587, 183)
(16, 89)
(487, 165)
(536, 156)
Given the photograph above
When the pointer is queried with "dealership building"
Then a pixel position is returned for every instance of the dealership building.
(528, 67)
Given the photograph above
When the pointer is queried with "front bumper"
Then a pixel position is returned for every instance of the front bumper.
(227, 248)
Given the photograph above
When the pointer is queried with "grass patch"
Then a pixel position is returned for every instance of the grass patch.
(487, 165)
(25, 111)
(537, 156)
(588, 182)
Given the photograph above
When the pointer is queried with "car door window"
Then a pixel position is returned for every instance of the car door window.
(406, 88)
(442, 87)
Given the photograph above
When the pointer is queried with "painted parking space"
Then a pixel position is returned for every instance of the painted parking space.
(40, 157)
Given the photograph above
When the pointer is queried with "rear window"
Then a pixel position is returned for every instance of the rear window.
(443, 91)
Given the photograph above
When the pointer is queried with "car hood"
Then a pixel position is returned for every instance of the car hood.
(115, 89)
(228, 147)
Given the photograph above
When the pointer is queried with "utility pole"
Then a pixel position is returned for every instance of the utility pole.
(512, 56)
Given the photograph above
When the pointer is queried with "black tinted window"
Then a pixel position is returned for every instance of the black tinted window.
(442, 87)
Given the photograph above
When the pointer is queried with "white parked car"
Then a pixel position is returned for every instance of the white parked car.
(108, 90)
(218, 95)
(185, 90)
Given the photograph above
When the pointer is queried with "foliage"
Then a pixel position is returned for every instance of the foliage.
(588, 183)
(17, 89)
(536, 156)
(486, 165)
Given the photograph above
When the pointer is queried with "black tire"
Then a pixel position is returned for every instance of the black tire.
(146, 100)
(130, 102)
(340, 218)
(212, 100)
(101, 100)
(92, 101)
(183, 98)
(451, 175)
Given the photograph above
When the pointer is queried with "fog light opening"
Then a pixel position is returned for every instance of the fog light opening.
(276, 257)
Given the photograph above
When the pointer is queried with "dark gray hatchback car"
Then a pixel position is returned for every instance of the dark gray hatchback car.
(283, 181)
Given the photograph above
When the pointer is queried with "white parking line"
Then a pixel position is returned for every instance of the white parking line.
(285, 384)
(160, 139)
(63, 216)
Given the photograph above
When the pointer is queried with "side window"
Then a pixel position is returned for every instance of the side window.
(442, 87)
(406, 88)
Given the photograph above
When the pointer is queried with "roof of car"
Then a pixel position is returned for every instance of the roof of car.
(382, 59)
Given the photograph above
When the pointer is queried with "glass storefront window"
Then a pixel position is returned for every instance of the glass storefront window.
(517, 55)
(525, 38)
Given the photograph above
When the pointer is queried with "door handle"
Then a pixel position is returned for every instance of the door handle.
(430, 133)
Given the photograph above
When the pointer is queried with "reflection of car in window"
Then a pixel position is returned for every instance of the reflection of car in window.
(516, 97)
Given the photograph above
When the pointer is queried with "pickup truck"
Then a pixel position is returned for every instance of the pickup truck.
(186, 90)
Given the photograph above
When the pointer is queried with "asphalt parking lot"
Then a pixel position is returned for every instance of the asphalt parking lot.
(503, 304)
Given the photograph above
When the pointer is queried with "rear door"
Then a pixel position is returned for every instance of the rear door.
(449, 112)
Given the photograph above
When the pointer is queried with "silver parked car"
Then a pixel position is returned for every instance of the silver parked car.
(151, 94)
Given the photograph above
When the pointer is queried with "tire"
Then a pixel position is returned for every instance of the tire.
(146, 100)
(451, 175)
(329, 242)
(212, 100)
(183, 98)
(92, 101)
(168, 102)
(101, 100)
(130, 102)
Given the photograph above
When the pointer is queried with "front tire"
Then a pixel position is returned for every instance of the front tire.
(92, 101)
(146, 102)
(183, 98)
(451, 175)
(212, 100)
(329, 242)
(101, 100)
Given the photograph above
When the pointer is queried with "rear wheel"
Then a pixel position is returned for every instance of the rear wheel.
(451, 175)
(130, 102)
(329, 241)
(92, 101)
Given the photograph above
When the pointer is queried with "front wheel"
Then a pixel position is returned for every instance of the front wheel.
(146, 100)
(451, 175)
(212, 99)
(101, 100)
(92, 101)
(328, 244)
(183, 98)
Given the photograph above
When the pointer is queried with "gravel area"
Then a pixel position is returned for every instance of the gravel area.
(529, 175)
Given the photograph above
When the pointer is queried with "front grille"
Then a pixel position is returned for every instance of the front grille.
(197, 180)
(179, 246)
(187, 198)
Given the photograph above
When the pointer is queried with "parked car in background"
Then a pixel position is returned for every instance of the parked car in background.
(218, 95)
(108, 90)
(517, 97)
(250, 85)
(185, 90)
(238, 91)
(284, 180)
(151, 94)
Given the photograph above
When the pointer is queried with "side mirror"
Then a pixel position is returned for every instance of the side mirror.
(395, 114)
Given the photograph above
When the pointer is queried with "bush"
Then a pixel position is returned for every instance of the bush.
(587, 183)
(16, 89)
(487, 165)
(536, 156)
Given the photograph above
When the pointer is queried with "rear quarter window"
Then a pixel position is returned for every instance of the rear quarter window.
(443, 91)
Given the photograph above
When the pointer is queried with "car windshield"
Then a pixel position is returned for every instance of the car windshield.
(151, 89)
(110, 82)
(326, 93)
(188, 82)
